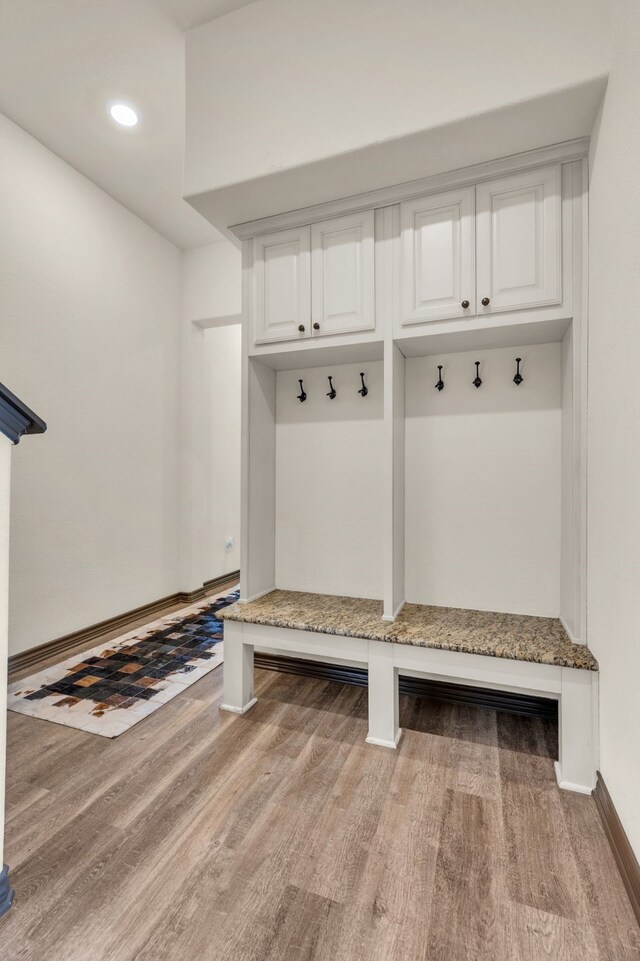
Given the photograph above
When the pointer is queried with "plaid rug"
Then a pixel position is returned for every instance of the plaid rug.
(110, 688)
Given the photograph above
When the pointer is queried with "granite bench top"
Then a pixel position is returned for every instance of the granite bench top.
(517, 637)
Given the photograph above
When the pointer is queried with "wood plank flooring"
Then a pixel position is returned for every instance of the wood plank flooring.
(282, 836)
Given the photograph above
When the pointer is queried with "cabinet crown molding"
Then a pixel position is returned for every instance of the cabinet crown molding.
(465, 176)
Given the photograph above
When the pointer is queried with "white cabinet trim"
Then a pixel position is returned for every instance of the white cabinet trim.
(299, 239)
(457, 207)
(362, 317)
(385, 196)
(544, 188)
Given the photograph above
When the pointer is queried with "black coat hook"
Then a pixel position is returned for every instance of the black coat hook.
(301, 396)
(364, 390)
(440, 384)
(477, 382)
(332, 391)
(518, 378)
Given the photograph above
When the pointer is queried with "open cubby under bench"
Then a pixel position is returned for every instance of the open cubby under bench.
(515, 652)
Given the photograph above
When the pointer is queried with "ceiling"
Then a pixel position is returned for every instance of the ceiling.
(61, 61)
(193, 13)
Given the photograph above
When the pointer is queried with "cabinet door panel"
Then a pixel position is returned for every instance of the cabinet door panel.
(282, 292)
(438, 256)
(342, 274)
(519, 224)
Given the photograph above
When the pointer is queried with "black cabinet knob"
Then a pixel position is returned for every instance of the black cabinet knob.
(465, 304)
(485, 301)
(301, 328)
(316, 326)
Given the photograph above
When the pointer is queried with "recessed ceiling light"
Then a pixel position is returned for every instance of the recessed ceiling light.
(123, 114)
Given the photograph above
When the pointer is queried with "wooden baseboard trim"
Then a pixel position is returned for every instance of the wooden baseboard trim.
(231, 578)
(57, 648)
(524, 704)
(619, 844)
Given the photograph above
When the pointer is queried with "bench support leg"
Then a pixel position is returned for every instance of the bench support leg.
(383, 696)
(238, 671)
(578, 732)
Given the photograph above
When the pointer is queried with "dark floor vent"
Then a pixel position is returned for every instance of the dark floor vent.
(513, 703)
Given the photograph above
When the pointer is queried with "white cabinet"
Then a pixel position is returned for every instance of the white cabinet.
(519, 241)
(489, 247)
(438, 257)
(342, 275)
(282, 285)
(298, 293)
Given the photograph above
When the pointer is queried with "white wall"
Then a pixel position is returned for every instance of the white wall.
(89, 336)
(329, 493)
(211, 295)
(482, 485)
(614, 419)
(212, 282)
(99, 329)
(222, 353)
(282, 83)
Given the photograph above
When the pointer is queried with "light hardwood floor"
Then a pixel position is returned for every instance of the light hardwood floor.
(282, 836)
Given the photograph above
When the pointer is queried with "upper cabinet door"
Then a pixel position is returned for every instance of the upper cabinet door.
(438, 257)
(282, 286)
(342, 274)
(519, 227)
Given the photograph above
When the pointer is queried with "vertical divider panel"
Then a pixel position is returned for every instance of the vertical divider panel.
(387, 288)
(394, 597)
(258, 456)
(580, 170)
(568, 546)
(574, 212)
(568, 558)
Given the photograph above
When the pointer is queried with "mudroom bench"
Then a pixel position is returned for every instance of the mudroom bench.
(511, 652)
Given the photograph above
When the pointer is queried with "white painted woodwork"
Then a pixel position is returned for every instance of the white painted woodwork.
(339, 349)
(394, 472)
(578, 731)
(329, 482)
(499, 672)
(238, 671)
(483, 482)
(511, 586)
(387, 270)
(519, 244)
(576, 690)
(463, 498)
(568, 492)
(558, 153)
(282, 296)
(522, 330)
(515, 325)
(577, 174)
(258, 478)
(383, 695)
(438, 256)
(342, 275)
(322, 647)
(5, 482)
